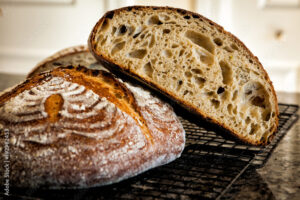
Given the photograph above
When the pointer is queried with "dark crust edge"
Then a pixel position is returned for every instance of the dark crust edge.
(109, 63)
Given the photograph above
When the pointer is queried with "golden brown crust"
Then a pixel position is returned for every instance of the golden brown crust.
(74, 127)
(110, 63)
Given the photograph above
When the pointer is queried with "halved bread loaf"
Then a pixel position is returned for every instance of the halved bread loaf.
(74, 128)
(193, 61)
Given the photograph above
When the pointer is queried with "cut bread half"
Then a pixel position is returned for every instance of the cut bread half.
(195, 62)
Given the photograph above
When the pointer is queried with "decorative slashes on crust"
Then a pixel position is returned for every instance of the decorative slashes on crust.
(75, 128)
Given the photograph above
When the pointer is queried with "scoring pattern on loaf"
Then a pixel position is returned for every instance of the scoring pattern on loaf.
(79, 104)
(191, 58)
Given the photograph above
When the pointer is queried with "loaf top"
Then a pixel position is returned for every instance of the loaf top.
(74, 127)
(75, 55)
(194, 61)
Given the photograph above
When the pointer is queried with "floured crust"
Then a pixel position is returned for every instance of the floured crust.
(114, 64)
(76, 128)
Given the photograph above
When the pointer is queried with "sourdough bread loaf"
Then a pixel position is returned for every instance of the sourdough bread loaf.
(76, 55)
(73, 127)
(195, 62)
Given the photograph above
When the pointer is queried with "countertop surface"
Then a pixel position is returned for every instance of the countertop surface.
(278, 179)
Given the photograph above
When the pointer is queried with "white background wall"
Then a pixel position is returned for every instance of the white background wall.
(31, 30)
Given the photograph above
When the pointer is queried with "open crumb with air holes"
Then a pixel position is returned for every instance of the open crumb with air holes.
(195, 62)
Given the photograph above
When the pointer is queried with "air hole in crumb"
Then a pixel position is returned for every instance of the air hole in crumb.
(181, 52)
(258, 101)
(234, 96)
(248, 120)
(200, 81)
(226, 72)
(225, 95)
(211, 93)
(167, 53)
(105, 25)
(254, 128)
(137, 32)
(234, 110)
(117, 40)
(110, 15)
(220, 90)
(218, 42)
(255, 93)
(142, 36)
(152, 41)
(164, 17)
(185, 92)
(229, 108)
(140, 53)
(266, 116)
(113, 30)
(153, 61)
(241, 114)
(205, 57)
(249, 92)
(131, 30)
(123, 29)
(200, 40)
(196, 71)
(273, 114)
(144, 44)
(174, 46)
(154, 20)
(234, 46)
(103, 41)
(136, 35)
(179, 84)
(186, 17)
(188, 74)
(228, 49)
(166, 31)
(148, 69)
(215, 103)
(118, 47)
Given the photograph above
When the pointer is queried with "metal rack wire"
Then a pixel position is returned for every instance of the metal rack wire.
(209, 165)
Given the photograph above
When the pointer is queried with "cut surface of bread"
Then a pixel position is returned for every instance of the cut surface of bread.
(75, 128)
(195, 62)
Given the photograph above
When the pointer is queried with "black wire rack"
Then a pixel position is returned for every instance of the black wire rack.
(209, 165)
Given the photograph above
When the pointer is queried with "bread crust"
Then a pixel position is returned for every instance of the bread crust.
(62, 53)
(110, 63)
(109, 132)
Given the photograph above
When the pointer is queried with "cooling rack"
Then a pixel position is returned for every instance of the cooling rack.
(209, 165)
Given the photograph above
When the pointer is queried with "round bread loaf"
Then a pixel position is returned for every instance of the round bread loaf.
(73, 127)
